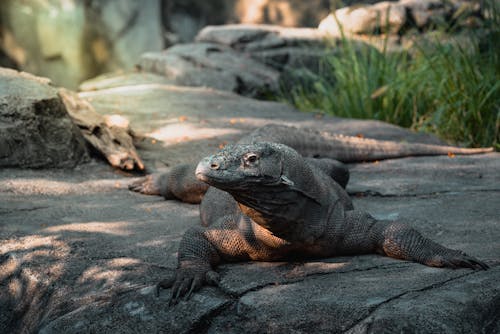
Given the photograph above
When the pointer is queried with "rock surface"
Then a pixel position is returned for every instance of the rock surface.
(245, 59)
(395, 16)
(35, 128)
(279, 47)
(184, 18)
(212, 65)
(80, 253)
(71, 41)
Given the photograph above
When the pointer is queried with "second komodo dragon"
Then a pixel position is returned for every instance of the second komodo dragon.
(266, 198)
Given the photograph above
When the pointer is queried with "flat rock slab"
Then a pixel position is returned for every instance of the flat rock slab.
(80, 253)
(212, 65)
(184, 124)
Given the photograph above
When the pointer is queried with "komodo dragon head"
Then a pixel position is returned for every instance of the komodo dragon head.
(271, 182)
(245, 167)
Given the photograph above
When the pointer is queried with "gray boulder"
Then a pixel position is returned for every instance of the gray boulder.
(121, 79)
(254, 37)
(36, 130)
(212, 65)
(387, 16)
(279, 47)
(394, 17)
(426, 13)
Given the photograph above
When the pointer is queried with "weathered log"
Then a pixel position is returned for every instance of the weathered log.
(110, 135)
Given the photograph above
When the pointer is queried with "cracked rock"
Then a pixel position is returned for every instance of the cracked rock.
(212, 65)
(35, 128)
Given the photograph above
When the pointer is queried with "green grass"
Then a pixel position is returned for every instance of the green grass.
(448, 88)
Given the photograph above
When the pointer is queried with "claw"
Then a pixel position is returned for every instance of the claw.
(471, 262)
(195, 285)
(190, 276)
(464, 261)
(164, 284)
(212, 278)
(175, 292)
(476, 264)
(136, 185)
(456, 259)
(186, 283)
(173, 300)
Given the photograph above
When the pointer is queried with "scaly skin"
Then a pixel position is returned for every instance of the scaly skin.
(267, 202)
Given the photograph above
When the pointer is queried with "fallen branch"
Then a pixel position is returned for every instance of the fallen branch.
(110, 135)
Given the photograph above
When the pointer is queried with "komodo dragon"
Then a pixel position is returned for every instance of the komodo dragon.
(268, 201)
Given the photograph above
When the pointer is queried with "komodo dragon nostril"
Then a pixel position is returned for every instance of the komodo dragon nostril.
(214, 165)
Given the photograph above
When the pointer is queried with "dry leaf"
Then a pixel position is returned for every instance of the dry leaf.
(379, 92)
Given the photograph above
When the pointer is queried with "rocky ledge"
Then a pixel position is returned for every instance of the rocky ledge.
(79, 253)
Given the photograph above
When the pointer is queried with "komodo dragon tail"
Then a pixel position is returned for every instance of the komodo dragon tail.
(349, 149)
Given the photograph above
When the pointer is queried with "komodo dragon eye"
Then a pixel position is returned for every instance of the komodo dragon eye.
(250, 158)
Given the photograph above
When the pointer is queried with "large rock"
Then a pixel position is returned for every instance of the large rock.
(184, 18)
(386, 16)
(279, 47)
(212, 65)
(69, 41)
(36, 130)
(250, 37)
(89, 252)
(395, 16)
(122, 78)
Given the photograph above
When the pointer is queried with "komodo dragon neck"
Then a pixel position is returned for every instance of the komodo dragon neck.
(284, 212)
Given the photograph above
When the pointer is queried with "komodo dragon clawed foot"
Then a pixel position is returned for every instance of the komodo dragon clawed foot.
(180, 183)
(455, 259)
(189, 278)
(148, 185)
